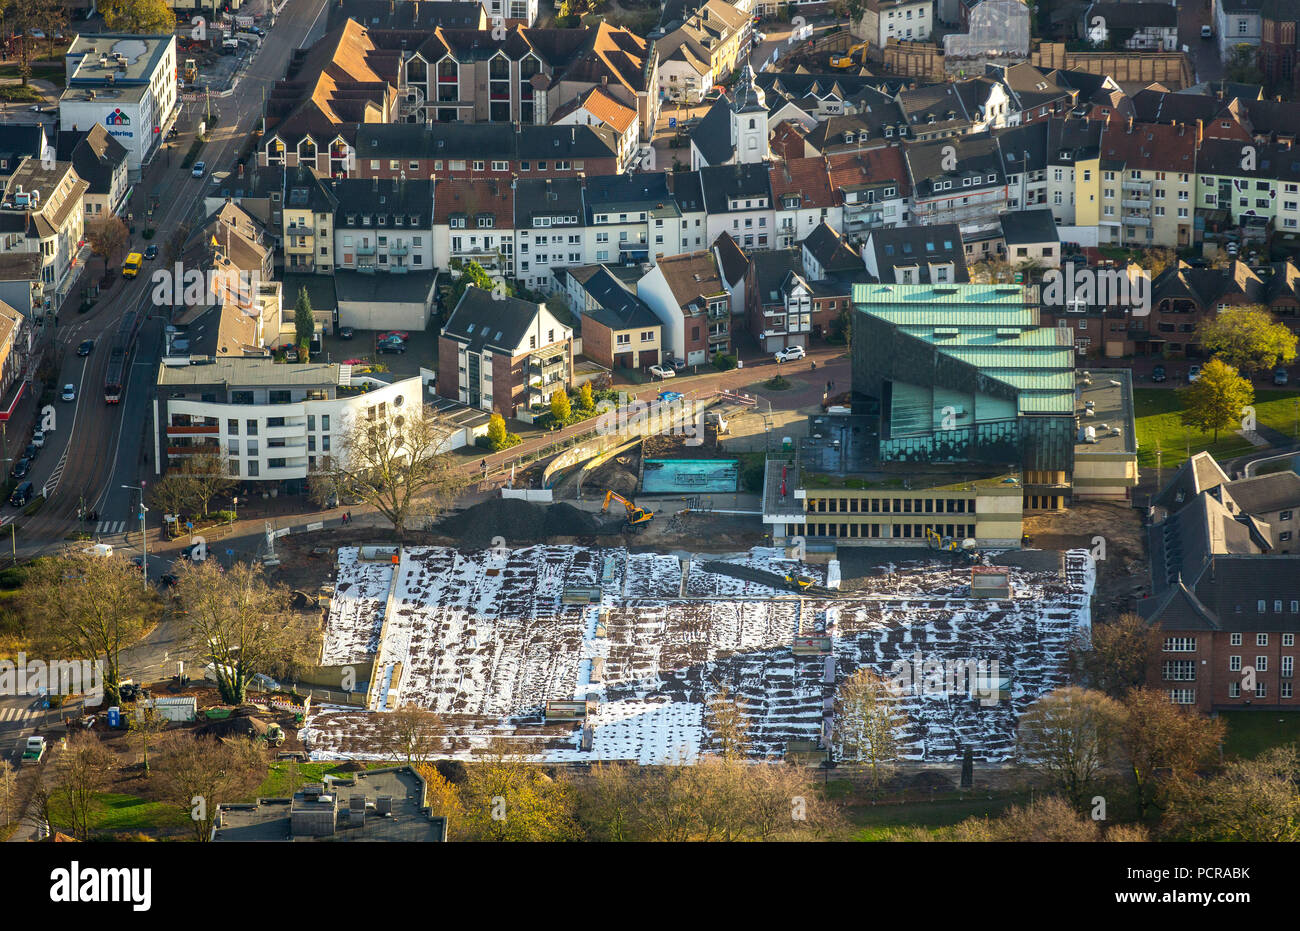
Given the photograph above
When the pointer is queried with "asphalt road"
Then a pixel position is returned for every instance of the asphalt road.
(97, 448)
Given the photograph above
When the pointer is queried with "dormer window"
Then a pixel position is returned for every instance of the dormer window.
(365, 221)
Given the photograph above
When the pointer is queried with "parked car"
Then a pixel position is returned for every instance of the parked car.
(669, 397)
(22, 495)
(1158, 373)
(346, 332)
(69, 393)
(790, 353)
(151, 252)
(38, 439)
(31, 451)
(290, 353)
(391, 345)
(34, 750)
(86, 348)
(1193, 373)
(661, 371)
(1280, 377)
(21, 468)
(1207, 32)
(679, 365)
(394, 334)
(199, 169)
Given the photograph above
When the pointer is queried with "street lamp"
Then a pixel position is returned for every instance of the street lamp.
(144, 534)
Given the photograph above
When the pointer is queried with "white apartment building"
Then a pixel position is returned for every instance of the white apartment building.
(271, 422)
(125, 83)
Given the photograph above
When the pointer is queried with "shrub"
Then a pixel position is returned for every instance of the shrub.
(724, 363)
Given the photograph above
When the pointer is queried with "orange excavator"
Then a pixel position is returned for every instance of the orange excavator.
(637, 517)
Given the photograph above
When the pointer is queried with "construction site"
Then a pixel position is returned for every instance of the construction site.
(575, 654)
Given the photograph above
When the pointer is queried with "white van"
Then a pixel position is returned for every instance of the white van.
(100, 549)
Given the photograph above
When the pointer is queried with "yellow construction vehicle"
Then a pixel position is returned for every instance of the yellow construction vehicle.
(637, 517)
(798, 582)
(953, 545)
(846, 60)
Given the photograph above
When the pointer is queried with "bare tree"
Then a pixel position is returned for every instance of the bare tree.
(107, 238)
(411, 734)
(8, 789)
(727, 723)
(143, 727)
(204, 478)
(239, 623)
(83, 770)
(88, 607)
(1160, 736)
(199, 773)
(1250, 800)
(396, 464)
(1069, 735)
(1116, 656)
(867, 722)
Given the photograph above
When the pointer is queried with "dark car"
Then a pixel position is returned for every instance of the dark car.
(22, 467)
(86, 348)
(391, 346)
(346, 332)
(151, 253)
(31, 451)
(1158, 373)
(137, 563)
(168, 579)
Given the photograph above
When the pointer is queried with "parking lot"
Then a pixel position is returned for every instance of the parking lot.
(421, 351)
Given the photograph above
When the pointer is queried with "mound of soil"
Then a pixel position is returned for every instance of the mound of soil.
(510, 518)
(519, 521)
(564, 520)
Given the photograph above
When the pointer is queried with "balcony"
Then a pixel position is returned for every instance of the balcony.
(399, 248)
(1128, 220)
(202, 429)
(1141, 186)
(365, 250)
(1137, 204)
(548, 366)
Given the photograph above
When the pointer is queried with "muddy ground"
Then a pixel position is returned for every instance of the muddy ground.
(1122, 567)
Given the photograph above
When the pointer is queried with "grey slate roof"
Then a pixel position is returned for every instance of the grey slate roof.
(479, 321)
(1022, 227)
(620, 308)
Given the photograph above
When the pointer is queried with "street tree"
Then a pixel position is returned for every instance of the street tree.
(1159, 736)
(83, 770)
(240, 624)
(107, 238)
(1069, 736)
(197, 773)
(443, 798)
(87, 607)
(586, 399)
(1248, 338)
(27, 16)
(142, 17)
(867, 723)
(1114, 657)
(172, 494)
(205, 477)
(561, 409)
(1217, 400)
(396, 465)
(9, 793)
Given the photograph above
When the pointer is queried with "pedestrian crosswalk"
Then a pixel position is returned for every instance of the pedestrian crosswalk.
(18, 715)
(110, 526)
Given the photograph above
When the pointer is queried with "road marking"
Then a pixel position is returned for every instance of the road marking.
(15, 714)
(110, 526)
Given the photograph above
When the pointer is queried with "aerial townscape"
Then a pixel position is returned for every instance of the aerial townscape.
(438, 421)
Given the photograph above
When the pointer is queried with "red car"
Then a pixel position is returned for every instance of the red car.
(391, 334)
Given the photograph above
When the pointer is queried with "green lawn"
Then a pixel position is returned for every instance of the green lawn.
(112, 812)
(874, 822)
(1250, 733)
(1158, 426)
(276, 784)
